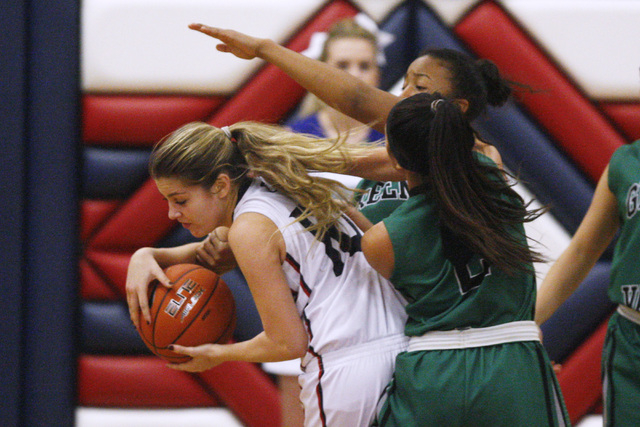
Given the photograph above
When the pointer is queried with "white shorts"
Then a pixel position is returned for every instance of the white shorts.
(342, 388)
(285, 368)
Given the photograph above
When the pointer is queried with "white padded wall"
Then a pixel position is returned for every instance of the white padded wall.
(450, 10)
(144, 46)
(377, 9)
(596, 41)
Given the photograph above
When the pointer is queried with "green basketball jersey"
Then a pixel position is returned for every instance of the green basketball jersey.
(624, 183)
(379, 199)
(447, 286)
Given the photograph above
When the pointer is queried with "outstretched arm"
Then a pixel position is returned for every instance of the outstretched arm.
(596, 231)
(336, 88)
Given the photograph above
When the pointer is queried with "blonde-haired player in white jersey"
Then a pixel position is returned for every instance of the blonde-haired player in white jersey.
(317, 296)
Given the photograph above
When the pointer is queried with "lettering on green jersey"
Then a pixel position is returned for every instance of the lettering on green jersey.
(384, 191)
(633, 202)
(631, 296)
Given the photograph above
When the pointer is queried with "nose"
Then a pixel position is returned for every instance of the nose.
(408, 92)
(355, 71)
(173, 212)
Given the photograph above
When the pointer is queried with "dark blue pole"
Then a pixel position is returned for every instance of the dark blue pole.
(40, 176)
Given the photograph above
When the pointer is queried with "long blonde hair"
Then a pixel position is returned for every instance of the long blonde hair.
(197, 153)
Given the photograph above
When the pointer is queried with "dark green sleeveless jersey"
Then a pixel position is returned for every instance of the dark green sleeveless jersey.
(447, 286)
(624, 183)
(379, 199)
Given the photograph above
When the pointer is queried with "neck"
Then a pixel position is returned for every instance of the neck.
(413, 179)
(335, 123)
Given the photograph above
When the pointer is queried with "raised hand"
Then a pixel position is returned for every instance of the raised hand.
(240, 45)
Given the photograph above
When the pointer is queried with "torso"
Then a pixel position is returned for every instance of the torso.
(446, 285)
(341, 299)
(624, 183)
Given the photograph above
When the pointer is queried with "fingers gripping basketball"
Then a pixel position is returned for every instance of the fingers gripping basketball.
(198, 309)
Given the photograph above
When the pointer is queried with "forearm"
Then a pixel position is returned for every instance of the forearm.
(336, 88)
(376, 166)
(165, 257)
(358, 218)
(561, 281)
(595, 233)
(259, 349)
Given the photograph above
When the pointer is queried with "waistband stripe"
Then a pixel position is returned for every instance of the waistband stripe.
(629, 313)
(525, 330)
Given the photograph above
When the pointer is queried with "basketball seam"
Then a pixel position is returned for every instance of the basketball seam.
(153, 330)
(195, 317)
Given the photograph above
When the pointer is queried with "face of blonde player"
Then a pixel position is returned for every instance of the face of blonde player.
(356, 56)
(198, 209)
(426, 74)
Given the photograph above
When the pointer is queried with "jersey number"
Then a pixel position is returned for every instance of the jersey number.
(468, 281)
(335, 243)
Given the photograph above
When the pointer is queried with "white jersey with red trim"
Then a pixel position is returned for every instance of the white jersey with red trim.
(342, 300)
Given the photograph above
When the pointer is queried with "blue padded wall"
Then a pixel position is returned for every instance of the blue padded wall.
(12, 193)
(39, 75)
(550, 175)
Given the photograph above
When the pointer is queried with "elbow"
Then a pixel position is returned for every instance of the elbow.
(300, 350)
(292, 346)
(297, 348)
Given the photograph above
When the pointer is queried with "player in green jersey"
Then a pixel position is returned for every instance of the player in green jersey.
(458, 253)
(614, 209)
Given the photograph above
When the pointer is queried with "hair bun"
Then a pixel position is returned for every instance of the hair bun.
(498, 89)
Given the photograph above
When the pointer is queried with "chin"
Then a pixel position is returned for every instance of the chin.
(197, 234)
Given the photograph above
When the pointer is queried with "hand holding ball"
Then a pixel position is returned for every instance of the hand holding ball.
(198, 309)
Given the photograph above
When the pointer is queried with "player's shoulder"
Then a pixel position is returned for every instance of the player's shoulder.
(489, 151)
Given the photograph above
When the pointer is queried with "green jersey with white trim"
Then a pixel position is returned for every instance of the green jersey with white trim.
(624, 183)
(446, 285)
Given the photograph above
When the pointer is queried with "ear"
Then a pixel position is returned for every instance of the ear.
(222, 187)
(394, 162)
(463, 104)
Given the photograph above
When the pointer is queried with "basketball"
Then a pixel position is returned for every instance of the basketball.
(198, 309)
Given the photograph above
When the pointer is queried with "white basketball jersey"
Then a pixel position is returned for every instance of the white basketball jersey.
(341, 299)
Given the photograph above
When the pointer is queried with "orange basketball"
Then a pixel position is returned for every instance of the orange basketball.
(198, 309)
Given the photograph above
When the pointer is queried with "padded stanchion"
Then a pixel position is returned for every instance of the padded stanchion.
(141, 221)
(625, 115)
(113, 173)
(535, 160)
(231, 382)
(138, 382)
(145, 381)
(107, 329)
(93, 213)
(110, 268)
(118, 120)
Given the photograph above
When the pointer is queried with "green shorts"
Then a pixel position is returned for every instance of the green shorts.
(621, 373)
(507, 385)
